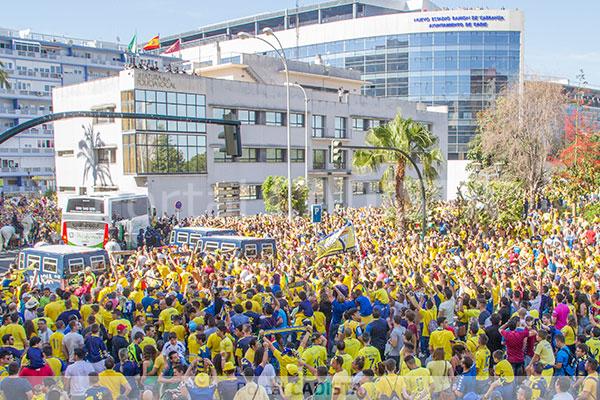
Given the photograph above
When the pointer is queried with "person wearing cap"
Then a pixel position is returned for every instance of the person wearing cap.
(119, 341)
(116, 321)
(228, 385)
(293, 389)
(30, 309)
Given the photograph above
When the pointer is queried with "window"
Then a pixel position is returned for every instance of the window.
(170, 153)
(172, 237)
(194, 238)
(250, 250)
(297, 155)
(267, 249)
(127, 105)
(21, 261)
(247, 117)
(319, 159)
(250, 192)
(339, 189)
(170, 103)
(220, 113)
(375, 187)
(297, 120)
(65, 153)
(359, 187)
(249, 154)
(75, 265)
(360, 124)
(275, 155)
(228, 247)
(273, 118)
(182, 237)
(221, 157)
(211, 246)
(49, 265)
(98, 263)
(103, 120)
(318, 126)
(342, 163)
(33, 261)
(340, 127)
(106, 156)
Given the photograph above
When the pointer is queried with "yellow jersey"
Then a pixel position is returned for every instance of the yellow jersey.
(442, 339)
(315, 356)
(371, 355)
(504, 371)
(418, 382)
(482, 363)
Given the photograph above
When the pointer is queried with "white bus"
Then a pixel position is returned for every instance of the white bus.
(88, 220)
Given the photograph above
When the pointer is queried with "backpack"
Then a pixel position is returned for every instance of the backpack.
(393, 395)
(571, 363)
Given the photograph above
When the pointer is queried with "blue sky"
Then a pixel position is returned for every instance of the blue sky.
(560, 36)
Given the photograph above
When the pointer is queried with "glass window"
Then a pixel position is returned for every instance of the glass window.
(249, 154)
(319, 159)
(297, 120)
(375, 187)
(273, 118)
(359, 187)
(275, 155)
(250, 192)
(318, 126)
(50, 265)
(170, 153)
(247, 117)
(297, 155)
(340, 127)
(76, 265)
(169, 103)
(339, 190)
(219, 113)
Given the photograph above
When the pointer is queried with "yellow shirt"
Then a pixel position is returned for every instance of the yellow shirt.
(159, 364)
(426, 317)
(18, 333)
(442, 339)
(179, 331)
(544, 350)
(381, 296)
(53, 309)
(404, 370)
(55, 365)
(371, 355)
(85, 311)
(113, 381)
(594, 345)
(504, 371)
(165, 316)
(112, 327)
(482, 363)
(389, 384)
(214, 344)
(418, 381)
(569, 334)
(147, 341)
(315, 356)
(319, 321)
(226, 346)
(353, 345)
(590, 385)
(56, 342)
(340, 384)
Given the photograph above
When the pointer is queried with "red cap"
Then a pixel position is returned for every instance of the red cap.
(121, 327)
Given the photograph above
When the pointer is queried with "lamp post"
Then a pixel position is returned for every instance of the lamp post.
(306, 137)
(281, 53)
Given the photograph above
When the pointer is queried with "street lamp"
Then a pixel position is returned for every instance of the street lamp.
(305, 132)
(281, 53)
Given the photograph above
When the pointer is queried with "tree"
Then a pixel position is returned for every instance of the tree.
(488, 202)
(521, 130)
(275, 194)
(409, 136)
(168, 157)
(3, 77)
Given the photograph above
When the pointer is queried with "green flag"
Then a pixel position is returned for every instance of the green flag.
(132, 48)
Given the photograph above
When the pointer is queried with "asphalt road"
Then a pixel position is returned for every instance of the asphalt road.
(6, 258)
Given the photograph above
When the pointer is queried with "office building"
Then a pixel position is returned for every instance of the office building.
(175, 161)
(36, 64)
(408, 49)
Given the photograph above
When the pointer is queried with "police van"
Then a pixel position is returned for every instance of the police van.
(240, 246)
(53, 266)
(191, 234)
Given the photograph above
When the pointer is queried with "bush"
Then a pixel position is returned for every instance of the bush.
(591, 212)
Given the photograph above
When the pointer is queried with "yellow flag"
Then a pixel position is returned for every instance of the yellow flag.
(338, 242)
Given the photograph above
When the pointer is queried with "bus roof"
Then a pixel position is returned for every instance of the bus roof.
(240, 238)
(202, 229)
(60, 249)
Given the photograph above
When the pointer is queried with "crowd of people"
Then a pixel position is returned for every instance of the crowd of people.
(473, 312)
(43, 211)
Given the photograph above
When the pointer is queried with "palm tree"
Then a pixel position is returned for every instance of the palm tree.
(3, 77)
(409, 136)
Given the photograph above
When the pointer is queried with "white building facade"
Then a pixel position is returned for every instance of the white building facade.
(174, 161)
(36, 64)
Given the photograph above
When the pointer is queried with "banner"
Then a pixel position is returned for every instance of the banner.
(338, 242)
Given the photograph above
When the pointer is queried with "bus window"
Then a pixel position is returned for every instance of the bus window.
(210, 246)
(49, 265)
(199, 247)
(182, 237)
(98, 263)
(194, 237)
(267, 249)
(21, 264)
(140, 207)
(227, 247)
(250, 250)
(85, 205)
(172, 239)
(75, 265)
(32, 260)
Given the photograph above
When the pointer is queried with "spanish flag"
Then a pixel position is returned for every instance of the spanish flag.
(152, 44)
(340, 241)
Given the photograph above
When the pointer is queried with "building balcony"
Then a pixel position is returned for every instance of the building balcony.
(24, 94)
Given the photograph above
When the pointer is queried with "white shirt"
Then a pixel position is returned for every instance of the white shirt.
(446, 310)
(563, 396)
(72, 341)
(79, 373)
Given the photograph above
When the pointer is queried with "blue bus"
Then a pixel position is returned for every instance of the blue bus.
(53, 266)
(189, 235)
(241, 246)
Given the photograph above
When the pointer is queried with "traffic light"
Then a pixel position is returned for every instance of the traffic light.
(233, 141)
(336, 151)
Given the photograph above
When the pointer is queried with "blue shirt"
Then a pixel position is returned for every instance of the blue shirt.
(562, 357)
(95, 348)
(466, 382)
(365, 306)
(338, 309)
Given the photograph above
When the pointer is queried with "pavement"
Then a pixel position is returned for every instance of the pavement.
(7, 258)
